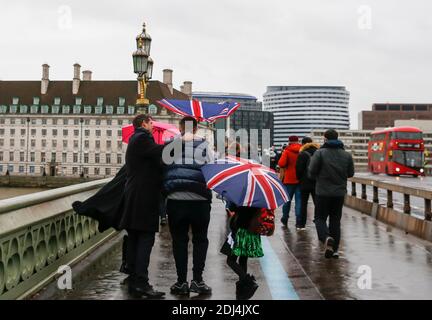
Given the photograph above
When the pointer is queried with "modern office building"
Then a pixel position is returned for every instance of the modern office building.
(384, 114)
(298, 110)
(72, 127)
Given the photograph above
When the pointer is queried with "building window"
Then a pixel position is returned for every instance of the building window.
(12, 142)
(74, 170)
(75, 144)
(152, 109)
(43, 143)
(11, 156)
(13, 109)
(108, 171)
(44, 132)
(12, 132)
(76, 133)
(1, 142)
(33, 132)
(32, 169)
(12, 121)
(109, 109)
(43, 157)
(86, 157)
(2, 132)
(119, 145)
(66, 121)
(22, 156)
(78, 101)
(1, 155)
(87, 132)
(99, 101)
(121, 101)
(98, 110)
(21, 169)
(65, 132)
(66, 109)
(109, 133)
(65, 144)
(44, 121)
(98, 122)
(86, 171)
(120, 122)
(3, 109)
(76, 122)
(97, 158)
(32, 143)
(98, 133)
(119, 158)
(23, 109)
(75, 157)
(120, 110)
(108, 158)
(64, 157)
(54, 132)
(86, 144)
(97, 171)
(54, 143)
(15, 100)
(23, 131)
(131, 110)
(97, 144)
(119, 133)
(34, 109)
(32, 157)
(22, 143)
(55, 109)
(87, 109)
(108, 145)
(44, 109)
(109, 122)
(77, 109)
(10, 168)
(56, 100)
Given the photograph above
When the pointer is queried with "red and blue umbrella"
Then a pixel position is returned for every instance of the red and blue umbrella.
(202, 111)
(245, 183)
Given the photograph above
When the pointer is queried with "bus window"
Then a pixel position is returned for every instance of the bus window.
(408, 158)
(407, 135)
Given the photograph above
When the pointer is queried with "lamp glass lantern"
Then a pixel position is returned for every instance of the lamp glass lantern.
(143, 40)
(149, 68)
(140, 61)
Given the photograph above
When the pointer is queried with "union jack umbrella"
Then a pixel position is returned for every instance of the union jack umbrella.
(202, 111)
(245, 183)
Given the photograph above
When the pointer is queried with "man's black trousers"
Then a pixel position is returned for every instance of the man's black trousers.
(183, 214)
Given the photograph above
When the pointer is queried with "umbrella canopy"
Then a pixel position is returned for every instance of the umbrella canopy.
(202, 111)
(245, 183)
(161, 132)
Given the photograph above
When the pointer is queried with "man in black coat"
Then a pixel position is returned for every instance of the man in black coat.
(141, 203)
(330, 167)
(307, 185)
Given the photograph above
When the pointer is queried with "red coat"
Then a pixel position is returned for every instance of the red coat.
(288, 162)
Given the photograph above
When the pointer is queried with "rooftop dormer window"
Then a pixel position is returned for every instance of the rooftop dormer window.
(36, 100)
(15, 100)
(56, 101)
(99, 101)
(78, 101)
(122, 101)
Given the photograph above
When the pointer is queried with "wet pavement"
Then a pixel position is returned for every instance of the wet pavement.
(400, 265)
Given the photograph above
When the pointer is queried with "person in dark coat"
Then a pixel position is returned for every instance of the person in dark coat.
(307, 185)
(141, 203)
(188, 204)
(330, 167)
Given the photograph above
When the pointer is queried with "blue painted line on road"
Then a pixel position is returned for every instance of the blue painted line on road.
(277, 279)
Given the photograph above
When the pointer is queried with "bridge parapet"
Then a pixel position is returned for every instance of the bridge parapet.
(39, 232)
(386, 212)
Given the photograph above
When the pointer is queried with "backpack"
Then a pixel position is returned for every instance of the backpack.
(263, 223)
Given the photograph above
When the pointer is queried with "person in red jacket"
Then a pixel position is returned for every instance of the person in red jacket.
(288, 162)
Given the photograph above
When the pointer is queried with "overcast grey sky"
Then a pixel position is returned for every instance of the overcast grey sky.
(381, 50)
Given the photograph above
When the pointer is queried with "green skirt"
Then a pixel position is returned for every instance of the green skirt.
(247, 244)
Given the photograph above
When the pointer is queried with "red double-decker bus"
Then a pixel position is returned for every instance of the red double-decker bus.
(397, 151)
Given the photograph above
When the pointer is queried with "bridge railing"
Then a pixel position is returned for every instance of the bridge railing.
(358, 199)
(39, 233)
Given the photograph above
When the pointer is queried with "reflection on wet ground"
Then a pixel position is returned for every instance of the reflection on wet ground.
(400, 265)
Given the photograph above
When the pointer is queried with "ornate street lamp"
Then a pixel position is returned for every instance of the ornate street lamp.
(143, 65)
